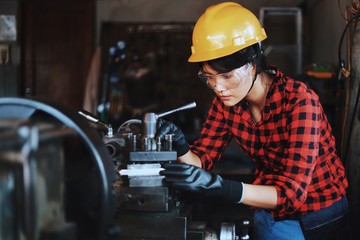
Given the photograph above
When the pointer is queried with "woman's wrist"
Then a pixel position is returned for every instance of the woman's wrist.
(190, 158)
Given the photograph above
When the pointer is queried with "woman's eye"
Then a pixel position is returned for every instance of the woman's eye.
(227, 76)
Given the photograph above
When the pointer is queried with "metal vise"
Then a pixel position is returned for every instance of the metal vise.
(147, 208)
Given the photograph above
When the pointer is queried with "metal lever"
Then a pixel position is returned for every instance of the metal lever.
(93, 119)
(185, 107)
(150, 119)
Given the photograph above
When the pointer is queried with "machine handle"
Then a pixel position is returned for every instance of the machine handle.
(185, 107)
(92, 118)
(150, 119)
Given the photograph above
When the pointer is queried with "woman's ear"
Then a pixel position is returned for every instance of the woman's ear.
(253, 65)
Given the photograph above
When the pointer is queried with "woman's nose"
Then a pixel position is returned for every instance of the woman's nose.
(219, 87)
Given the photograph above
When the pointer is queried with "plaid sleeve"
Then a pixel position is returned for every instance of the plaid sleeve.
(214, 136)
(303, 121)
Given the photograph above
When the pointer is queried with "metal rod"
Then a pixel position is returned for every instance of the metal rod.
(187, 106)
(150, 119)
(92, 118)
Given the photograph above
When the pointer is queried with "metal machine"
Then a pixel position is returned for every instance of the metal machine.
(64, 177)
(147, 209)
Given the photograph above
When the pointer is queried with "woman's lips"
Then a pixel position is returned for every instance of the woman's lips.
(225, 98)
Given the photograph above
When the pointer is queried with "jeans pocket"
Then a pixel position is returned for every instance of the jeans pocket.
(327, 223)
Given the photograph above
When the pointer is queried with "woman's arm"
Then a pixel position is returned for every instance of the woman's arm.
(259, 196)
(190, 158)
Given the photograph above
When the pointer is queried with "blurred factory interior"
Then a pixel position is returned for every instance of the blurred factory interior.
(121, 59)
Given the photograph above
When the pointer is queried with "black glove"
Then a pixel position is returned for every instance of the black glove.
(180, 144)
(188, 177)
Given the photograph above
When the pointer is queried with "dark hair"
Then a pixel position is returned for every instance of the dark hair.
(238, 59)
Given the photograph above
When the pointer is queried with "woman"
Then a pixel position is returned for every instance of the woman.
(300, 184)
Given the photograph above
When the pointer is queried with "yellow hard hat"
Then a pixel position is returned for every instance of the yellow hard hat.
(223, 29)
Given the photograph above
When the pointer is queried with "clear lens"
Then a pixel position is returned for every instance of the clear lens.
(228, 80)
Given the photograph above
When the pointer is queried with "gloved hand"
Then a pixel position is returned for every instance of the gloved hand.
(180, 144)
(188, 177)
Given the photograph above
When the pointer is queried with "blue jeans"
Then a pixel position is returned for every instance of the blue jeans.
(331, 223)
(266, 228)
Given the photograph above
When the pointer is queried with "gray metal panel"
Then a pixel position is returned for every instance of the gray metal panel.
(152, 226)
(152, 156)
(9, 82)
(294, 49)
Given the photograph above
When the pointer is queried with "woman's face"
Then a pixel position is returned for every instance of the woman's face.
(230, 87)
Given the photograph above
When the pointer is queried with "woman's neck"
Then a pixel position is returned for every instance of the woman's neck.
(257, 96)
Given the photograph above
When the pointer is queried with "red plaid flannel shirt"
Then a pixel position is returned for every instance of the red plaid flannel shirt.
(292, 146)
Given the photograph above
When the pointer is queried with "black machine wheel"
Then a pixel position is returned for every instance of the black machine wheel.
(89, 170)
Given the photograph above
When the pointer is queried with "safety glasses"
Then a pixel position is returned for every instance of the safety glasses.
(225, 81)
